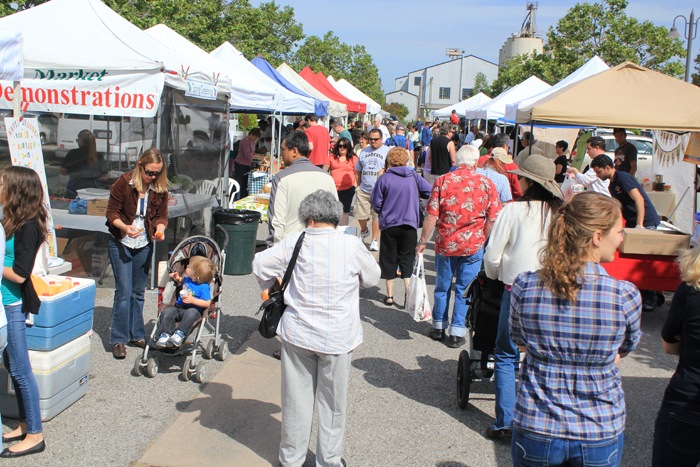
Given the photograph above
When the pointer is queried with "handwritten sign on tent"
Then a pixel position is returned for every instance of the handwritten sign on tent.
(25, 151)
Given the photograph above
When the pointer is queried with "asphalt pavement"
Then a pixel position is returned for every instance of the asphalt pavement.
(402, 403)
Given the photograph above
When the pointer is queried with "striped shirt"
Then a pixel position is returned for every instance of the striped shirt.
(501, 183)
(323, 295)
(569, 384)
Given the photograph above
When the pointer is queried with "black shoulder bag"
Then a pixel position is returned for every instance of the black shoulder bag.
(274, 307)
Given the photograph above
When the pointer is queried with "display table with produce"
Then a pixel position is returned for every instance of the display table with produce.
(253, 203)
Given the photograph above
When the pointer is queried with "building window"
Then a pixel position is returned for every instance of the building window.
(416, 81)
(466, 93)
(444, 93)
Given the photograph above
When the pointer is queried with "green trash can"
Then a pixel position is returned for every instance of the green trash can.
(242, 229)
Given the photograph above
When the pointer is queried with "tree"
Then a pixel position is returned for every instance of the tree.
(602, 29)
(330, 56)
(696, 76)
(481, 84)
(7, 7)
(395, 108)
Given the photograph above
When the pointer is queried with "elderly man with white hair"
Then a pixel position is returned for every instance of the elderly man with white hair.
(378, 126)
(463, 206)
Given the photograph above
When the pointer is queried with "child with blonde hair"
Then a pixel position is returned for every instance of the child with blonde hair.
(195, 297)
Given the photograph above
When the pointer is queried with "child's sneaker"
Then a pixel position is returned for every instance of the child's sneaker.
(177, 338)
(163, 341)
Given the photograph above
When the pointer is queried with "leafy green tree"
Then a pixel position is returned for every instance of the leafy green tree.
(397, 109)
(330, 56)
(7, 7)
(481, 84)
(602, 29)
(696, 76)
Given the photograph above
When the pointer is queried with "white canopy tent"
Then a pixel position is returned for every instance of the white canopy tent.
(496, 107)
(247, 91)
(462, 107)
(286, 101)
(335, 109)
(11, 61)
(351, 92)
(592, 67)
(107, 66)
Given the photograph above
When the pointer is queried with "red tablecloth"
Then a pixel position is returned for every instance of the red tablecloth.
(647, 272)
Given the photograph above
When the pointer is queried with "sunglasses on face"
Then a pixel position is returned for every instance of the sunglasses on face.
(342, 146)
(151, 173)
(374, 139)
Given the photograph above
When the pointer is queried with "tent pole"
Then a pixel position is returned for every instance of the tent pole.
(17, 101)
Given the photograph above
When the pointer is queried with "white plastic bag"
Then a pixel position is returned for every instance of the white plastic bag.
(417, 296)
(570, 187)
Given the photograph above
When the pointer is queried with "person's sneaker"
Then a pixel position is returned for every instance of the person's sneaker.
(374, 246)
(648, 305)
(455, 342)
(364, 234)
(503, 433)
(177, 338)
(163, 341)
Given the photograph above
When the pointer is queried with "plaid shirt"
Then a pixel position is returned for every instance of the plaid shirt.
(569, 385)
(462, 201)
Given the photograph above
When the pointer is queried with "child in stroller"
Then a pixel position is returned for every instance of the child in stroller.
(195, 297)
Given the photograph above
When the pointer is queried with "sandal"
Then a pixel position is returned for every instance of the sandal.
(388, 300)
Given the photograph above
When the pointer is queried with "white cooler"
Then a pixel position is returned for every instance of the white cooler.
(61, 374)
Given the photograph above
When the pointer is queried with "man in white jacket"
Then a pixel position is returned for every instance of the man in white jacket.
(595, 146)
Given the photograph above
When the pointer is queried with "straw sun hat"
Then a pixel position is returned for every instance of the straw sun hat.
(541, 170)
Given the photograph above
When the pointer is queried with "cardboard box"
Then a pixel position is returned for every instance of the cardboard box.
(97, 207)
(654, 242)
(79, 254)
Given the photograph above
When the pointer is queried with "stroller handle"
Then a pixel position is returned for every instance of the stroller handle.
(222, 230)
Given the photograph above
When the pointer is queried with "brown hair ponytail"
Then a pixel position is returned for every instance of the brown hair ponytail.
(569, 241)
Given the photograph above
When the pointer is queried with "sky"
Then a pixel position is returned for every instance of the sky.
(404, 36)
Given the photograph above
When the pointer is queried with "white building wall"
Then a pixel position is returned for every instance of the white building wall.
(446, 75)
(407, 99)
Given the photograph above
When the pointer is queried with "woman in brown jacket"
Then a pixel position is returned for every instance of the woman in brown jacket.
(137, 214)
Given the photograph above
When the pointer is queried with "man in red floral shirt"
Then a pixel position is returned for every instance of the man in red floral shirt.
(464, 206)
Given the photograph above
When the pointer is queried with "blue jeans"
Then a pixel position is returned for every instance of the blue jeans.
(465, 269)
(504, 357)
(16, 358)
(3, 344)
(131, 269)
(676, 437)
(530, 449)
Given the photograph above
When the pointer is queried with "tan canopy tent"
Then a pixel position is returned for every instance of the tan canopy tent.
(627, 96)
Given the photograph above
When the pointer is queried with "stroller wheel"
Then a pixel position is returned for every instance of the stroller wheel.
(186, 370)
(464, 379)
(152, 368)
(209, 350)
(222, 351)
(200, 373)
(138, 367)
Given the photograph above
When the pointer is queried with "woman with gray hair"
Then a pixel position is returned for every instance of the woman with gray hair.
(319, 328)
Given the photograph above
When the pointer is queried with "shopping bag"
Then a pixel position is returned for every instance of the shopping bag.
(417, 295)
(570, 187)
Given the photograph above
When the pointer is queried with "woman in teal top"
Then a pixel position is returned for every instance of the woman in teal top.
(25, 226)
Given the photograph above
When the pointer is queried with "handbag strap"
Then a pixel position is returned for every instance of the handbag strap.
(292, 262)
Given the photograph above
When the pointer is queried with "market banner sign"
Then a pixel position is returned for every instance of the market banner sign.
(25, 151)
(87, 92)
(200, 89)
(692, 152)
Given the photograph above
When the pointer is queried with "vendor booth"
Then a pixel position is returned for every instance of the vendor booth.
(496, 107)
(611, 99)
(335, 108)
(463, 107)
(320, 106)
(320, 82)
(347, 89)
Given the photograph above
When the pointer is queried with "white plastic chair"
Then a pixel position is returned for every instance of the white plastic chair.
(206, 187)
(233, 190)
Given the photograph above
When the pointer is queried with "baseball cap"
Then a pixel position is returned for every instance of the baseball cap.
(400, 127)
(501, 155)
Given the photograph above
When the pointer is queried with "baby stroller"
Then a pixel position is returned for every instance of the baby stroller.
(483, 296)
(206, 326)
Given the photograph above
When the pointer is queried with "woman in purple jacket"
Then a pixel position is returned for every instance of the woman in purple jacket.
(396, 199)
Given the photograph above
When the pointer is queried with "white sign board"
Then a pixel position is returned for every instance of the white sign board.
(200, 89)
(87, 92)
(25, 151)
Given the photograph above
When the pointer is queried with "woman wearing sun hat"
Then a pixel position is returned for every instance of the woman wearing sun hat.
(518, 235)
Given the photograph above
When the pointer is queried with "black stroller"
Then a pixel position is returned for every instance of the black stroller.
(483, 296)
(206, 326)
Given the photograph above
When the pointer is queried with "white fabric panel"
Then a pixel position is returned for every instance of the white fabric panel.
(11, 62)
